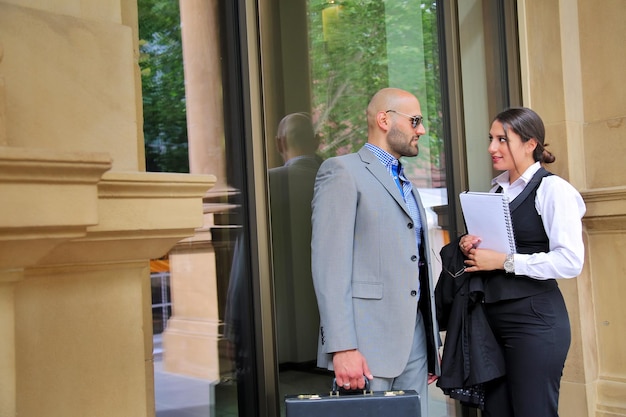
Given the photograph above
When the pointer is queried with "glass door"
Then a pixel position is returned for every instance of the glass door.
(307, 67)
(323, 61)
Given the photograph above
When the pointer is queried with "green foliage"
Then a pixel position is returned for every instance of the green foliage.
(430, 31)
(161, 62)
(347, 67)
(371, 45)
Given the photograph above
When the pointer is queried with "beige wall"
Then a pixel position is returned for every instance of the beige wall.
(79, 219)
(572, 66)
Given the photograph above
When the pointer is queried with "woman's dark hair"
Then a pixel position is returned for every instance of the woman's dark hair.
(528, 125)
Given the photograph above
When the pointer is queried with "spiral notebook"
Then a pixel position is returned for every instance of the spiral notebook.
(487, 216)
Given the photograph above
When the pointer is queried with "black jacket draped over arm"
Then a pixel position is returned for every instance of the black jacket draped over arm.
(471, 354)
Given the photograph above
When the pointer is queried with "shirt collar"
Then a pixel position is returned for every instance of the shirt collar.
(503, 179)
(383, 156)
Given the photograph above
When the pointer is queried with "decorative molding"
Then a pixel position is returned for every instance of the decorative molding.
(141, 216)
(604, 194)
(606, 210)
(611, 393)
(45, 166)
(11, 275)
(48, 197)
(116, 184)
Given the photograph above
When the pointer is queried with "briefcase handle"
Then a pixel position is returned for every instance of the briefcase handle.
(336, 390)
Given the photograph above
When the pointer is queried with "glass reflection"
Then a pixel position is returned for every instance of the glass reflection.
(291, 192)
(355, 49)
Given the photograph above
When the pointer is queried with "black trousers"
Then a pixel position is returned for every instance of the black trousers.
(534, 334)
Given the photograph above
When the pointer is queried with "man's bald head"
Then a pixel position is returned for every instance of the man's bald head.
(295, 136)
(386, 99)
(389, 122)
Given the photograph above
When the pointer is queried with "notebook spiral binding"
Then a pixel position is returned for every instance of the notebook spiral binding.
(509, 224)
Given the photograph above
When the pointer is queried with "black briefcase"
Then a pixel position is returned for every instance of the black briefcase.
(363, 403)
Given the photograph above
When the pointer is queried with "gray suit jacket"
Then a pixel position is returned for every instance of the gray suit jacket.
(365, 266)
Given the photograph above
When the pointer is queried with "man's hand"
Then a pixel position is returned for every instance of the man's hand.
(350, 367)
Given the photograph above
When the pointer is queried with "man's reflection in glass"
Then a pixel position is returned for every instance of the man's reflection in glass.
(291, 192)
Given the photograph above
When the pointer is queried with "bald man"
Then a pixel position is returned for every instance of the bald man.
(291, 191)
(295, 137)
(370, 263)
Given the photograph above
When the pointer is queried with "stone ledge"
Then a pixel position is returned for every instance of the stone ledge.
(611, 394)
(28, 165)
(47, 197)
(141, 216)
(123, 184)
(606, 209)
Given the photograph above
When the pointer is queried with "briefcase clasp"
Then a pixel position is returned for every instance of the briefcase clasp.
(393, 393)
(309, 397)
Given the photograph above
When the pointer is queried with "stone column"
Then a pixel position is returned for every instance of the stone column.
(3, 129)
(8, 390)
(192, 335)
(570, 79)
(190, 339)
(203, 81)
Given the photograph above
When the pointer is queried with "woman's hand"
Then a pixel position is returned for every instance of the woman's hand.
(484, 260)
(467, 243)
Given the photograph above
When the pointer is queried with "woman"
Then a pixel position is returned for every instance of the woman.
(523, 303)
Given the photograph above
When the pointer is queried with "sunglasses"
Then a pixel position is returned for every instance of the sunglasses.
(415, 120)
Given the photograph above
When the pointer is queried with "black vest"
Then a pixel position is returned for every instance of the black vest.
(530, 237)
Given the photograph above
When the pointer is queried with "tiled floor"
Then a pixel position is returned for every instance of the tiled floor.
(182, 396)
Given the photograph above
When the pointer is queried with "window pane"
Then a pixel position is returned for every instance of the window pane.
(355, 49)
(358, 48)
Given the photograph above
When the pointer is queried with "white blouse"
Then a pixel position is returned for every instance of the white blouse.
(561, 208)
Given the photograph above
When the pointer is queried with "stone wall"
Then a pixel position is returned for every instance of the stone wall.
(79, 219)
(572, 68)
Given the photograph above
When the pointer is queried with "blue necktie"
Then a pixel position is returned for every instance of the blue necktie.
(396, 178)
(406, 188)
(406, 184)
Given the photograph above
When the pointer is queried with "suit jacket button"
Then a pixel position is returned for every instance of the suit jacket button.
(414, 258)
(413, 293)
(410, 225)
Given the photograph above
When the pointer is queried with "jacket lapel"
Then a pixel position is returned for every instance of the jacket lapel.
(379, 171)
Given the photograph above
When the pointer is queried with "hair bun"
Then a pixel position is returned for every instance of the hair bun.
(547, 156)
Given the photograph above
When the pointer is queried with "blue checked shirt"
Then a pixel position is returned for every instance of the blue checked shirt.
(404, 185)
